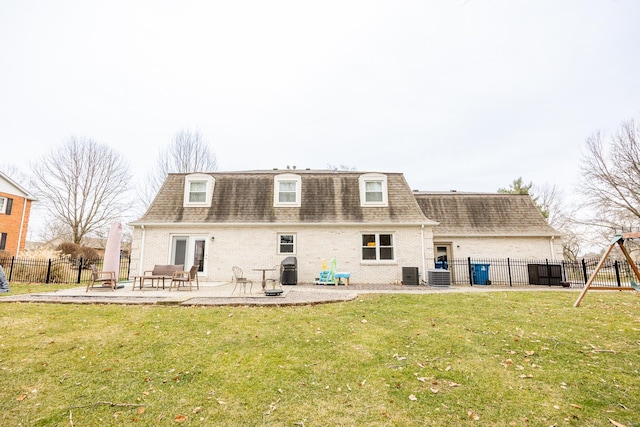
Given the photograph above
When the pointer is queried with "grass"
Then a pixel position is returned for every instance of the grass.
(31, 288)
(499, 359)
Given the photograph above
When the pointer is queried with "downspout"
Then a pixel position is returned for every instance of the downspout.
(24, 213)
(141, 250)
(424, 265)
(552, 246)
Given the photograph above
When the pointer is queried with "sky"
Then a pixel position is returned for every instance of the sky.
(456, 94)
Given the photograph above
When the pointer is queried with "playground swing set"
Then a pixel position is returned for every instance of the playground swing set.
(618, 240)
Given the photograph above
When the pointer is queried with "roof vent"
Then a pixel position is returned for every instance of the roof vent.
(454, 191)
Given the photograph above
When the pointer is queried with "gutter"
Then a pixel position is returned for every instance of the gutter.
(144, 232)
(424, 263)
(280, 224)
(24, 213)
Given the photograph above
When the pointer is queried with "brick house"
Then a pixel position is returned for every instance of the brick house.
(15, 208)
(370, 223)
(489, 225)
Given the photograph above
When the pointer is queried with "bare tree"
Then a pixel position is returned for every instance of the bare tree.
(611, 180)
(188, 152)
(84, 184)
(518, 186)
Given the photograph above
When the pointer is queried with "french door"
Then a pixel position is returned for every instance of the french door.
(189, 250)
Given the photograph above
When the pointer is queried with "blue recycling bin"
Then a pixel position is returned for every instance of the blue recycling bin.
(442, 265)
(480, 273)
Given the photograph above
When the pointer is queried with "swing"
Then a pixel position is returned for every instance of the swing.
(633, 286)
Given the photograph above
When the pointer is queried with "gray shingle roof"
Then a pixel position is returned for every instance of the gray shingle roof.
(247, 197)
(486, 214)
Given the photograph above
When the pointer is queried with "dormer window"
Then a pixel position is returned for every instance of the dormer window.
(373, 190)
(198, 190)
(287, 190)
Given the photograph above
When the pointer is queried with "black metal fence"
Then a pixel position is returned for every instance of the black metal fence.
(56, 270)
(519, 272)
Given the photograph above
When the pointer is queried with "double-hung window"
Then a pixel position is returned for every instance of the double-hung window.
(373, 190)
(286, 244)
(377, 247)
(287, 190)
(198, 190)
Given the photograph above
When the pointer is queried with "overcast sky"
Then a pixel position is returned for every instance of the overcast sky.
(465, 95)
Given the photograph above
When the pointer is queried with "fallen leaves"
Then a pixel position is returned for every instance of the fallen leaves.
(616, 424)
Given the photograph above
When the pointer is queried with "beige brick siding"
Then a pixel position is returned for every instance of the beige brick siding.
(256, 246)
(504, 247)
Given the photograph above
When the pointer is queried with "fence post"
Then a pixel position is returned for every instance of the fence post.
(617, 269)
(584, 271)
(48, 271)
(80, 264)
(470, 272)
(128, 267)
(11, 268)
(509, 269)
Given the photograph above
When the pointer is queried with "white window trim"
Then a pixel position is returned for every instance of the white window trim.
(295, 244)
(276, 190)
(377, 248)
(210, 181)
(373, 177)
(3, 207)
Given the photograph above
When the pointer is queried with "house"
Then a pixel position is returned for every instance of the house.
(369, 222)
(489, 225)
(15, 208)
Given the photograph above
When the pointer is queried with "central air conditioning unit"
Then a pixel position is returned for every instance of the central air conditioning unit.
(439, 278)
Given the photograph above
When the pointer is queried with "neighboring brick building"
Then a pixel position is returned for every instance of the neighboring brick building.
(372, 223)
(15, 208)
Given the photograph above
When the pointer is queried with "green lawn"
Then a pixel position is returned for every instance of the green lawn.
(494, 359)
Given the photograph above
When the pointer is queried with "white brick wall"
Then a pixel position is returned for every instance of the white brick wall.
(253, 247)
(504, 247)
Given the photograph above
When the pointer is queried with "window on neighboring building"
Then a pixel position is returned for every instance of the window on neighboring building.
(3, 241)
(373, 190)
(286, 244)
(377, 247)
(3, 204)
(287, 190)
(198, 190)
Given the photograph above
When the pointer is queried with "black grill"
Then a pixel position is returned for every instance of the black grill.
(289, 271)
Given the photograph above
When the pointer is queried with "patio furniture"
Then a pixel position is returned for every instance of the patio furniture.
(103, 279)
(184, 277)
(264, 274)
(274, 280)
(160, 273)
(239, 279)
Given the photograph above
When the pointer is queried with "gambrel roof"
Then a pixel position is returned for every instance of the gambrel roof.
(248, 198)
(484, 214)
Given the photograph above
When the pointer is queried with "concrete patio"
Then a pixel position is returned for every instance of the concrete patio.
(220, 293)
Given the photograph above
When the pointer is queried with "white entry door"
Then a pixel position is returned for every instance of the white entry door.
(189, 250)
